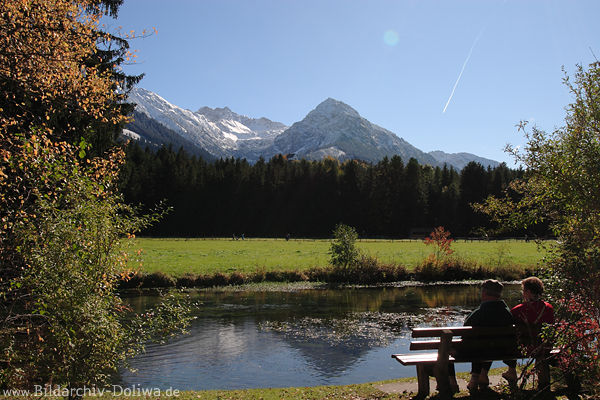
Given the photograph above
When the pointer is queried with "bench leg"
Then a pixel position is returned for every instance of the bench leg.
(443, 380)
(440, 368)
(423, 378)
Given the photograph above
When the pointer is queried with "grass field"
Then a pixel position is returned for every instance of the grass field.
(176, 257)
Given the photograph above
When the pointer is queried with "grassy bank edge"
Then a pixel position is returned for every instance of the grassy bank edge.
(355, 391)
(361, 391)
(367, 271)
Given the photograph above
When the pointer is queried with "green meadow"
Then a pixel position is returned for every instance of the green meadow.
(177, 257)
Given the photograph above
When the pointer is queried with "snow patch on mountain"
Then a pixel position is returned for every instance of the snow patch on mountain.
(219, 131)
(131, 134)
(243, 127)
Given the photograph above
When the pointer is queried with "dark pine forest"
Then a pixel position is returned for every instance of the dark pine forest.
(307, 198)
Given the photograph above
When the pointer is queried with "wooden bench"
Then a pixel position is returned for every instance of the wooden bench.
(456, 344)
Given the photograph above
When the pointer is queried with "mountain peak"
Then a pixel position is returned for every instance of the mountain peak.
(219, 113)
(333, 107)
(335, 129)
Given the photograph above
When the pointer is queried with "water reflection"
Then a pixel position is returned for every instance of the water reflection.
(298, 338)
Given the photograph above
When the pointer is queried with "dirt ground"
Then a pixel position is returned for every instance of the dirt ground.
(412, 387)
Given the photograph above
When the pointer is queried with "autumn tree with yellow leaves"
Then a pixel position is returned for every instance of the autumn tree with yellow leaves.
(62, 220)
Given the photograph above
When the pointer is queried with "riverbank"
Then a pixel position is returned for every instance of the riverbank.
(398, 389)
(366, 272)
(199, 263)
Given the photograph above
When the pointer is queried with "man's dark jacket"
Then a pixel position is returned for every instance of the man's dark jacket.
(490, 313)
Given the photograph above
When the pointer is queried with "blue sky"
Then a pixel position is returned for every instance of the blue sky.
(397, 63)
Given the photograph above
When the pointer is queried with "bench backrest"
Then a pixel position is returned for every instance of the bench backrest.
(469, 340)
(464, 331)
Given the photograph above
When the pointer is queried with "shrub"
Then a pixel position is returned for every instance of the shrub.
(428, 270)
(343, 246)
(318, 274)
(452, 269)
(259, 276)
(203, 281)
(368, 270)
(238, 278)
(365, 270)
(129, 280)
(218, 279)
(187, 281)
(274, 276)
(158, 280)
(440, 239)
(297, 276)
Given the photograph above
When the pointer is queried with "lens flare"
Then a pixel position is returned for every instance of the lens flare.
(391, 37)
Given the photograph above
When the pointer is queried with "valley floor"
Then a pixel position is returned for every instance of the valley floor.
(177, 257)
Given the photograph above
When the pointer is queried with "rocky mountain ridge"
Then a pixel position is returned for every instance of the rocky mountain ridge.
(333, 129)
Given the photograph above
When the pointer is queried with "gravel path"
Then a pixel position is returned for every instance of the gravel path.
(412, 387)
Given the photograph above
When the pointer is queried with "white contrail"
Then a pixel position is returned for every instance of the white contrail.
(462, 69)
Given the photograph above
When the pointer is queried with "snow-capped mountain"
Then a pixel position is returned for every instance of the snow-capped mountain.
(220, 132)
(331, 129)
(336, 129)
(240, 127)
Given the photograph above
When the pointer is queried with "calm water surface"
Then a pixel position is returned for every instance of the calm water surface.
(298, 338)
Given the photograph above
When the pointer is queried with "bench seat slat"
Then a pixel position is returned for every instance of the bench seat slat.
(431, 358)
(417, 358)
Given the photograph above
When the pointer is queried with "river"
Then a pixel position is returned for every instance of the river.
(282, 338)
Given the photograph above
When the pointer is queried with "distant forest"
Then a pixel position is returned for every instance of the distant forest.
(307, 198)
